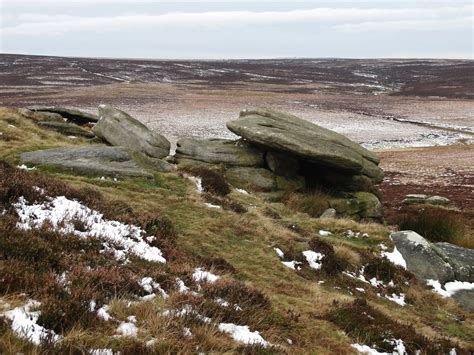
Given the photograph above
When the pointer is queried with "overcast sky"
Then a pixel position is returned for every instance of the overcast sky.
(238, 29)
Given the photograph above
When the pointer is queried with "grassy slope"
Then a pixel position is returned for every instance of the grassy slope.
(246, 241)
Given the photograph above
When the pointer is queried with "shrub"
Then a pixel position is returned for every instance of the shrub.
(435, 224)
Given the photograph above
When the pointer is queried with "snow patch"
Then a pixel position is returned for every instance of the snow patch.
(62, 212)
(449, 288)
(201, 275)
(292, 264)
(242, 334)
(399, 299)
(127, 329)
(24, 324)
(324, 233)
(313, 259)
(279, 252)
(395, 257)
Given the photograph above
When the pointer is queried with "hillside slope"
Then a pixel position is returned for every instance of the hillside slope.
(93, 264)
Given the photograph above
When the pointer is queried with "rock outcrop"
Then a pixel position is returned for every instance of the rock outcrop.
(91, 160)
(71, 115)
(219, 151)
(282, 132)
(413, 199)
(443, 262)
(66, 128)
(120, 129)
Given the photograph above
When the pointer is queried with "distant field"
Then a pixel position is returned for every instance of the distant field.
(380, 103)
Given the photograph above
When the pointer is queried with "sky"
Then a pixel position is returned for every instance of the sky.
(223, 29)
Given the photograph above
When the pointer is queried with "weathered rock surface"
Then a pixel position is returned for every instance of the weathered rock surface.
(219, 151)
(120, 129)
(287, 133)
(444, 262)
(461, 259)
(430, 200)
(41, 116)
(68, 129)
(93, 160)
(260, 179)
(282, 164)
(329, 213)
(421, 258)
(358, 205)
(72, 115)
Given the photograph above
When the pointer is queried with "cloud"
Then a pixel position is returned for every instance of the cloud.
(344, 19)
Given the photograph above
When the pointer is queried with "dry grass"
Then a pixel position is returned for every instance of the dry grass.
(277, 301)
(313, 203)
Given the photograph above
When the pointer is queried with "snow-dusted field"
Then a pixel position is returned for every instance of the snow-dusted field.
(379, 103)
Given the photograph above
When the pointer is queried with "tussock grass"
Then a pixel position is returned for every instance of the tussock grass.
(437, 225)
(313, 203)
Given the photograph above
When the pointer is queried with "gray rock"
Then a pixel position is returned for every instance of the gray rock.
(68, 129)
(358, 205)
(415, 198)
(41, 116)
(93, 160)
(72, 115)
(421, 258)
(465, 298)
(120, 129)
(284, 132)
(461, 259)
(438, 200)
(219, 151)
(256, 179)
(425, 199)
(329, 213)
(282, 164)
(160, 165)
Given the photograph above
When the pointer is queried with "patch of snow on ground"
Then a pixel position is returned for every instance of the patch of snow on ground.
(292, 264)
(103, 313)
(127, 329)
(395, 257)
(198, 182)
(242, 191)
(365, 349)
(313, 259)
(242, 334)
(201, 275)
(399, 299)
(279, 252)
(150, 286)
(62, 212)
(24, 167)
(210, 205)
(324, 233)
(182, 288)
(187, 332)
(449, 288)
(24, 324)
(101, 352)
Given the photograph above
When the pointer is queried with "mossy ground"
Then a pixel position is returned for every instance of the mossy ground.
(285, 304)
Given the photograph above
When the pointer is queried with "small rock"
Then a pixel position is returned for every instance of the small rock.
(329, 213)
(438, 200)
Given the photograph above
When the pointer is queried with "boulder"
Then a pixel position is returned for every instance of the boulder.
(421, 258)
(425, 199)
(41, 116)
(257, 179)
(304, 140)
(68, 129)
(93, 160)
(329, 213)
(438, 200)
(219, 151)
(72, 115)
(461, 260)
(282, 164)
(358, 206)
(120, 129)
